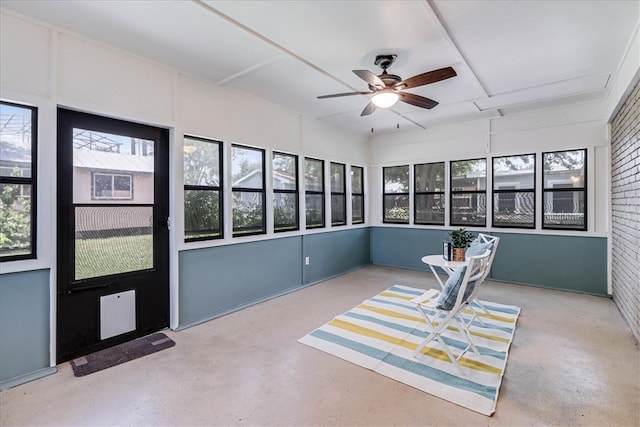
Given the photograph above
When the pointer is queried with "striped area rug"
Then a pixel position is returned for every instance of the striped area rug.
(382, 333)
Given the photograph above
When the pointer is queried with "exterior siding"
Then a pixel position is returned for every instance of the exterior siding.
(625, 204)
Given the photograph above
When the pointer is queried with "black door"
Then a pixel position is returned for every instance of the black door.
(113, 239)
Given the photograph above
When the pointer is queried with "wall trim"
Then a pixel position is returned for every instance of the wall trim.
(22, 379)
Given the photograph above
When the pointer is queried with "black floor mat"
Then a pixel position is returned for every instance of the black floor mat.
(121, 353)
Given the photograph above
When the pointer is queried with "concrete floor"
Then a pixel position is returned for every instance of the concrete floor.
(573, 361)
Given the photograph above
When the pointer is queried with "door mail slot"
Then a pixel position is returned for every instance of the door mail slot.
(117, 314)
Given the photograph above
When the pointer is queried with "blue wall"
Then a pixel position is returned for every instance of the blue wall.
(218, 280)
(572, 263)
(24, 327)
(335, 253)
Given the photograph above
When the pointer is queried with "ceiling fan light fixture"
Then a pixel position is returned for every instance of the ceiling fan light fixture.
(385, 98)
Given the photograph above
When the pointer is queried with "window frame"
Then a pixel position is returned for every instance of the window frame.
(31, 181)
(295, 191)
(385, 194)
(355, 194)
(315, 192)
(417, 193)
(337, 194)
(219, 188)
(262, 191)
(453, 192)
(552, 190)
(516, 190)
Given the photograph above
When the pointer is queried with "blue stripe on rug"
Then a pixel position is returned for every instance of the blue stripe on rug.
(499, 309)
(460, 345)
(416, 292)
(412, 307)
(414, 367)
(408, 306)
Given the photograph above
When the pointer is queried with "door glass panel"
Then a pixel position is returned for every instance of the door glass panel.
(112, 240)
(110, 168)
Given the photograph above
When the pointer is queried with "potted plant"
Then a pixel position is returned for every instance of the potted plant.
(460, 239)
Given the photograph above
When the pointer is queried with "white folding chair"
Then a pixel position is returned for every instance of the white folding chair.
(485, 238)
(439, 319)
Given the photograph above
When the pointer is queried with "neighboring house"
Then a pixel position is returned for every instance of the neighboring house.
(15, 160)
(253, 180)
(102, 177)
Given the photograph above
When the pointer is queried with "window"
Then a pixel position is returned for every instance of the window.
(18, 142)
(112, 186)
(202, 189)
(514, 185)
(285, 192)
(338, 194)
(468, 194)
(564, 177)
(395, 198)
(248, 194)
(357, 195)
(429, 193)
(314, 192)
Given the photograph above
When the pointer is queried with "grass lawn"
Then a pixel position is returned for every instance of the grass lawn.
(113, 255)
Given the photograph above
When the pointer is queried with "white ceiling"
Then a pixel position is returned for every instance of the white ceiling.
(509, 55)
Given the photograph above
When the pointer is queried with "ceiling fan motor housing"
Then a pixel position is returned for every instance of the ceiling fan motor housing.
(385, 61)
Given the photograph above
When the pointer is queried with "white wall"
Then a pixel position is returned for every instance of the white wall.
(627, 75)
(46, 67)
(558, 128)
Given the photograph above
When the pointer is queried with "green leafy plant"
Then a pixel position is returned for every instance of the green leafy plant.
(460, 238)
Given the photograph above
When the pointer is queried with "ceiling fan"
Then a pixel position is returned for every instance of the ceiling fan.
(387, 88)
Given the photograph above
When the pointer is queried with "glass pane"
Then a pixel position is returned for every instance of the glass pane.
(313, 175)
(396, 179)
(248, 216)
(201, 162)
(429, 209)
(15, 217)
(337, 177)
(113, 240)
(468, 175)
(108, 167)
(201, 214)
(514, 171)
(15, 141)
(396, 209)
(357, 209)
(246, 167)
(564, 167)
(356, 180)
(314, 210)
(429, 177)
(338, 210)
(468, 209)
(285, 211)
(513, 209)
(285, 173)
(564, 209)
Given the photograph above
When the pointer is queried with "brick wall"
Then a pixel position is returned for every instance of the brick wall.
(625, 204)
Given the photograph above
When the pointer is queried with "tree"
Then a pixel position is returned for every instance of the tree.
(15, 217)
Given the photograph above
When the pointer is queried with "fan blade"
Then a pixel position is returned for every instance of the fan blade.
(370, 78)
(426, 78)
(417, 100)
(370, 108)
(335, 95)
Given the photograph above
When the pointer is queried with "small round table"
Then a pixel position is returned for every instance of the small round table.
(438, 261)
